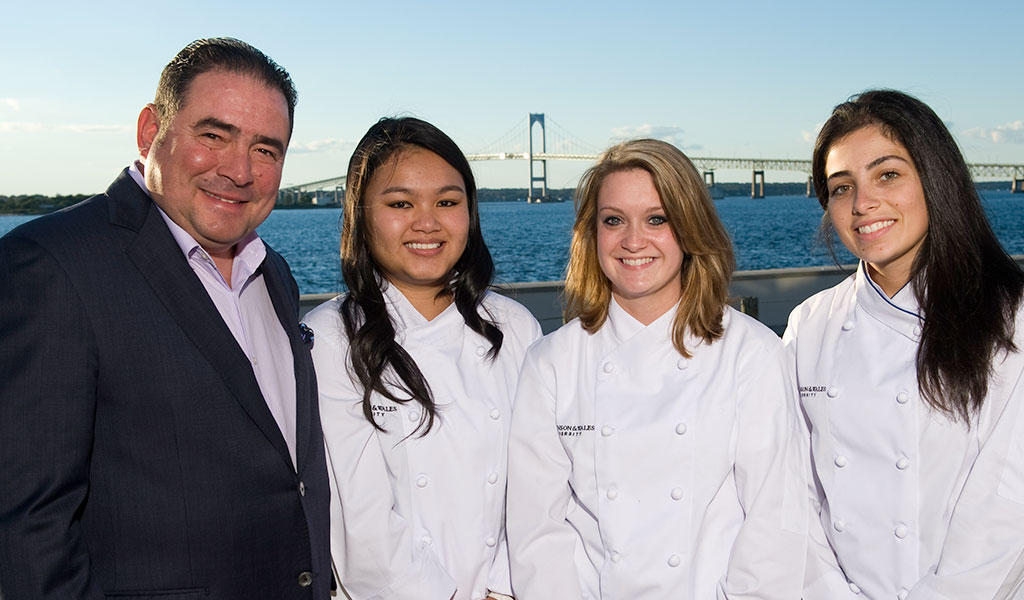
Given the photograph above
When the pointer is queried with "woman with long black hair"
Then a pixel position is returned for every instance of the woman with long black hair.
(910, 370)
(417, 367)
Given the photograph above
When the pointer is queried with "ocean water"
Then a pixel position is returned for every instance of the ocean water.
(531, 242)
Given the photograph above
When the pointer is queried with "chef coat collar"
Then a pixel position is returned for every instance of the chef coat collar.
(900, 313)
(624, 326)
(408, 321)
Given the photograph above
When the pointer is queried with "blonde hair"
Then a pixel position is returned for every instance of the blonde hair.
(707, 252)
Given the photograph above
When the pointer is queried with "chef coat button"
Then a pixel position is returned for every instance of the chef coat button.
(854, 588)
(492, 478)
(832, 392)
(902, 463)
(414, 416)
(917, 331)
(302, 489)
(612, 493)
(681, 428)
(421, 481)
(840, 461)
(902, 397)
(305, 579)
(901, 531)
(839, 524)
(480, 351)
(847, 325)
(616, 557)
(495, 414)
(608, 367)
(903, 594)
(682, 363)
(673, 561)
(677, 493)
(490, 542)
(607, 430)
(426, 540)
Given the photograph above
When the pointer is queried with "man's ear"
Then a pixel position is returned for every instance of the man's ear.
(147, 130)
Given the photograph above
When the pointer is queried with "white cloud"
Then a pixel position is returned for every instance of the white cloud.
(11, 103)
(1009, 133)
(13, 126)
(665, 133)
(326, 145)
(811, 136)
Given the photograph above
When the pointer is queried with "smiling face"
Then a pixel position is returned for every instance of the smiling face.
(216, 168)
(877, 204)
(636, 247)
(417, 218)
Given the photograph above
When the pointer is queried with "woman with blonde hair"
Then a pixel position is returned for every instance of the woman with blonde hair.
(654, 449)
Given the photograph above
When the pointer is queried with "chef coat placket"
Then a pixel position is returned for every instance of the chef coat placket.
(641, 413)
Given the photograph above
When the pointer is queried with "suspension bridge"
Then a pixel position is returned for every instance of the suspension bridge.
(537, 140)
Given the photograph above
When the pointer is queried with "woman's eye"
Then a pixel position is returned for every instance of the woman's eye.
(839, 190)
(399, 204)
(889, 175)
(447, 203)
(612, 221)
(657, 220)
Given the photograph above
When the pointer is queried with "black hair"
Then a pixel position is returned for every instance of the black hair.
(967, 286)
(376, 357)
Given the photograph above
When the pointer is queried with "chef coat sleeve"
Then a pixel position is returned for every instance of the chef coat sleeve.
(48, 380)
(983, 553)
(823, 577)
(767, 560)
(372, 545)
(542, 544)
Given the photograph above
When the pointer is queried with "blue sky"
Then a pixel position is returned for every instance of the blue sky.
(719, 79)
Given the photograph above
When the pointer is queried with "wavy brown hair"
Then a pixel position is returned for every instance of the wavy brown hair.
(968, 287)
(707, 251)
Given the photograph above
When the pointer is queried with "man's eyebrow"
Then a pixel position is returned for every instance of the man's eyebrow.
(216, 123)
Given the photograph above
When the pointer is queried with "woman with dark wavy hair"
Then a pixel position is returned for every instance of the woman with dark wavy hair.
(417, 367)
(910, 371)
(655, 449)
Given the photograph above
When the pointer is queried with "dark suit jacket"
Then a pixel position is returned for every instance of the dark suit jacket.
(138, 457)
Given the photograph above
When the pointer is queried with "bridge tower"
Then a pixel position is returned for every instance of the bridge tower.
(757, 191)
(542, 167)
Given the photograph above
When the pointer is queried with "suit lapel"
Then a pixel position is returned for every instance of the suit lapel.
(276, 276)
(162, 264)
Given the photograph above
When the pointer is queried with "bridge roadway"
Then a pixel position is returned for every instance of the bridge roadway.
(978, 171)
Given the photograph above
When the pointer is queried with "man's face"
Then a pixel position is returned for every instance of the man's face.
(216, 167)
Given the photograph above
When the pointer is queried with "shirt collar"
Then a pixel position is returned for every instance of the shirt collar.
(900, 313)
(624, 326)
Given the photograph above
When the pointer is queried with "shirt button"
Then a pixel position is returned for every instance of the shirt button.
(302, 489)
(682, 363)
(305, 579)
(677, 493)
(616, 557)
(480, 351)
(832, 392)
(490, 542)
(902, 397)
(847, 325)
(903, 594)
(426, 540)
(612, 493)
(492, 478)
(414, 416)
(422, 481)
(840, 461)
(607, 430)
(681, 428)
(902, 463)
(839, 524)
(854, 588)
(495, 414)
(901, 531)
(608, 367)
(673, 561)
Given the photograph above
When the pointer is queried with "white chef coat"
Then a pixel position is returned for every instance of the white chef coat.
(416, 516)
(912, 505)
(637, 473)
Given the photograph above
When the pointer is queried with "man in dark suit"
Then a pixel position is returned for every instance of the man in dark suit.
(159, 431)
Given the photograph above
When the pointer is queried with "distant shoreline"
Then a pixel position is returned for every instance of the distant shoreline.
(36, 204)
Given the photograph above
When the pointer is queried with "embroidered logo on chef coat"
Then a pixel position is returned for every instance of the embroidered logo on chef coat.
(382, 410)
(809, 391)
(574, 430)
